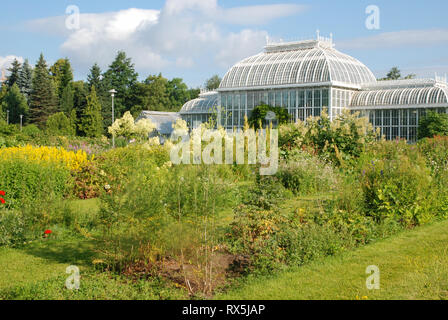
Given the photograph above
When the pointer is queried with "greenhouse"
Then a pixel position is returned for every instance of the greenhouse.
(306, 77)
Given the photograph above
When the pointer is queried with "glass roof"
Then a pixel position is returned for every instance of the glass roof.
(401, 96)
(206, 103)
(297, 63)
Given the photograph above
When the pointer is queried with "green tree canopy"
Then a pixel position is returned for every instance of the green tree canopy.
(395, 74)
(433, 124)
(16, 103)
(260, 112)
(213, 83)
(91, 123)
(62, 75)
(120, 76)
(59, 124)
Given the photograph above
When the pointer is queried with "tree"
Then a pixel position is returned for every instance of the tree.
(25, 81)
(178, 94)
(260, 112)
(157, 93)
(62, 75)
(94, 79)
(91, 124)
(14, 73)
(213, 83)
(59, 124)
(395, 74)
(120, 76)
(433, 124)
(16, 103)
(43, 100)
(67, 104)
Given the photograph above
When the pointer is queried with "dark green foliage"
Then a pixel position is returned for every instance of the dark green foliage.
(59, 124)
(120, 76)
(14, 73)
(43, 100)
(213, 83)
(433, 124)
(16, 103)
(260, 112)
(27, 182)
(67, 103)
(62, 75)
(91, 123)
(25, 81)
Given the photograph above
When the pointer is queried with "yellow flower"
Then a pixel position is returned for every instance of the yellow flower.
(50, 155)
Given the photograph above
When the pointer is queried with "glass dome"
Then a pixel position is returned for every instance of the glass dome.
(206, 103)
(297, 63)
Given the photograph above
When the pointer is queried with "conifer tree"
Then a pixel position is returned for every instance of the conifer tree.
(43, 101)
(91, 124)
(25, 81)
(14, 73)
(67, 100)
(94, 78)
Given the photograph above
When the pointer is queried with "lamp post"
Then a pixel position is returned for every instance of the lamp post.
(7, 116)
(21, 121)
(112, 93)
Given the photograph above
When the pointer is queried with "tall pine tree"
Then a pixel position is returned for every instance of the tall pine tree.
(25, 81)
(120, 76)
(91, 123)
(62, 75)
(14, 73)
(43, 100)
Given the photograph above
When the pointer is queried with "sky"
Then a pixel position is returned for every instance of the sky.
(195, 39)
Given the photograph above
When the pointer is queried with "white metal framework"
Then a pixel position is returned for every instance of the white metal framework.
(200, 110)
(295, 64)
(307, 76)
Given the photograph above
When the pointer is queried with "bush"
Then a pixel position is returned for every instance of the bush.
(59, 124)
(339, 141)
(397, 185)
(13, 228)
(433, 124)
(305, 174)
(27, 182)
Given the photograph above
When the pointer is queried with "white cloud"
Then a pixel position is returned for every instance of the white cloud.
(5, 62)
(405, 38)
(183, 34)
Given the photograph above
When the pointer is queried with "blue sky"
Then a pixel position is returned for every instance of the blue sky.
(194, 39)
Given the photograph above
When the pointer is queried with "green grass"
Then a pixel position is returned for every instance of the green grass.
(413, 265)
(37, 271)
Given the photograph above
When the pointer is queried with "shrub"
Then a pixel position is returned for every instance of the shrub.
(26, 182)
(433, 124)
(13, 228)
(260, 112)
(59, 124)
(396, 185)
(31, 131)
(339, 141)
(304, 174)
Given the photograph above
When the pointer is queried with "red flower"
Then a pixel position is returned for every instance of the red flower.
(48, 232)
(2, 193)
(2, 200)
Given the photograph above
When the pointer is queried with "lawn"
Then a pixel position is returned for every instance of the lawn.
(37, 271)
(413, 265)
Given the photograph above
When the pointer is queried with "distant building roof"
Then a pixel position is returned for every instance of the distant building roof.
(163, 120)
